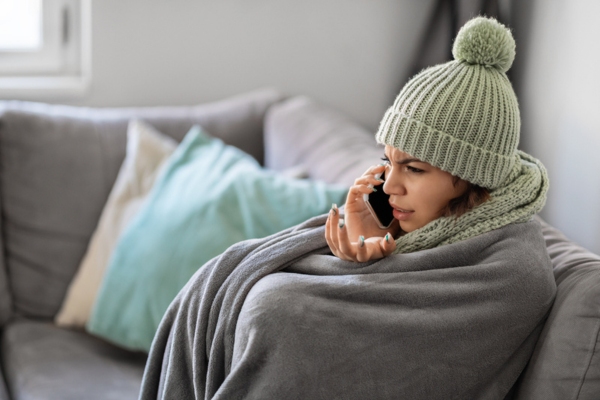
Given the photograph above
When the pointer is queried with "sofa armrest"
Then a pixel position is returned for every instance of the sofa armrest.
(3, 388)
(566, 360)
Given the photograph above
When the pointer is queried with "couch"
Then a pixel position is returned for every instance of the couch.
(57, 167)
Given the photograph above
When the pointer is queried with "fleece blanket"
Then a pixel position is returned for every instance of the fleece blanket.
(281, 318)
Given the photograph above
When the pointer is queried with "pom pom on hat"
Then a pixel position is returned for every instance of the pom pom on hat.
(487, 42)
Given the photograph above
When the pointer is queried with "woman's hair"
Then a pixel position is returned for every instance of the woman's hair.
(473, 196)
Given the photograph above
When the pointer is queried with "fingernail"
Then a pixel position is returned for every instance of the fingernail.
(380, 180)
(387, 237)
(361, 239)
(381, 164)
(372, 187)
(341, 223)
(334, 208)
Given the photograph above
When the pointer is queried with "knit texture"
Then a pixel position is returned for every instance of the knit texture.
(522, 196)
(462, 116)
(486, 42)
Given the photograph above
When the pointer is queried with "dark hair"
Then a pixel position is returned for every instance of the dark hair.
(473, 196)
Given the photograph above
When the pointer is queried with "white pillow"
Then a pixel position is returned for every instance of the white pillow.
(147, 152)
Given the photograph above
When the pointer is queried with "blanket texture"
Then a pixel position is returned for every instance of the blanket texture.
(281, 318)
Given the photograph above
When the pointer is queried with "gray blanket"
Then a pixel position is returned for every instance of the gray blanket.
(281, 318)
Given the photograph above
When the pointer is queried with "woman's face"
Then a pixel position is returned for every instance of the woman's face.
(419, 192)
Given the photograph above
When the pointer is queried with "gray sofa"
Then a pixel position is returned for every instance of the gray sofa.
(57, 167)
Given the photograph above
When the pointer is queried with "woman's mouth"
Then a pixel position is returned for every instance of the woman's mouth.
(401, 214)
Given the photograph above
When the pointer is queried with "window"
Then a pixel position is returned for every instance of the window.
(44, 47)
(20, 25)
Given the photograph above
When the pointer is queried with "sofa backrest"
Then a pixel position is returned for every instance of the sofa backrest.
(566, 361)
(57, 167)
(329, 146)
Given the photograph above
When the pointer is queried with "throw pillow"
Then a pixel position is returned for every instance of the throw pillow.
(210, 196)
(147, 152)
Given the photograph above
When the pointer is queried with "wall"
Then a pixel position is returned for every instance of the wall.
(559, 90)
(350, 54)
(354, 55)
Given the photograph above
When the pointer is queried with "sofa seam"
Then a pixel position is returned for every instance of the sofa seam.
(595, 346)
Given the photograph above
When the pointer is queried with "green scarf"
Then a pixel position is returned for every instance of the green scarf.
(522, 195)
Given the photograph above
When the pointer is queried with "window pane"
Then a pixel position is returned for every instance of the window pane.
(20, 24)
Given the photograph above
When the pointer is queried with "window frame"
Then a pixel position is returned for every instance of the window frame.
(61, 67)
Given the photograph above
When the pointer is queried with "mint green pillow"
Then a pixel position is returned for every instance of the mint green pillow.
(209, 197)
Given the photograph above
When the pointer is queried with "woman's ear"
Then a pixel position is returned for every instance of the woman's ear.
(460, 185)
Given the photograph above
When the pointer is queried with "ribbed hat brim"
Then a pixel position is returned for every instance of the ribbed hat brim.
(459, 158)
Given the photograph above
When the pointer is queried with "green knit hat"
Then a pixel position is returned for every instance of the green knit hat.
(462, 116)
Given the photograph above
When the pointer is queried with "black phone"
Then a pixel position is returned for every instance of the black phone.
(378, 204)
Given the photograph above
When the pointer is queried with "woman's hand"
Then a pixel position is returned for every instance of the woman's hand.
(360, 236)
(358, 219)
(362, 250)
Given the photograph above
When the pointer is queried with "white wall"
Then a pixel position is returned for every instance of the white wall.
(560, 102)
(350, 54)
(354, 55)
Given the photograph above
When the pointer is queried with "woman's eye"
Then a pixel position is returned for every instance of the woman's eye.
(413, 169)
(385, 159)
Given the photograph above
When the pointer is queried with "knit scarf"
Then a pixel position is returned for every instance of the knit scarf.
(521, 196)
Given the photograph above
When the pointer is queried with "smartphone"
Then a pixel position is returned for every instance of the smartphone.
(379, 205)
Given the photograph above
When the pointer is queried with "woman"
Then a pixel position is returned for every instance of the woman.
(451, 308)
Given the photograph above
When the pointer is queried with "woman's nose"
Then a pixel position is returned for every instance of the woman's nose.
(394, 184)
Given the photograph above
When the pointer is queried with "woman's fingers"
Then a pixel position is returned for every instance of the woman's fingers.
(332, 236)
(368, 249)
(388, 245)
(358, 191)
(330, 225)
(366, 183)
(346, 248)
(368, 180)
(362, 250)
(335, 220)
(376, 169)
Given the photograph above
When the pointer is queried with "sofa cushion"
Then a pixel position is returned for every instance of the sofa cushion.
(57, 167)
(566, 361)
(147, 153)
(42, 361)
(331, 147)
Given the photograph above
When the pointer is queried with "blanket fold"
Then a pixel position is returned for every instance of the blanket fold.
(281, 318)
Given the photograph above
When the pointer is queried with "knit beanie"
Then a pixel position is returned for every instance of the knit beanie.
(462, 116)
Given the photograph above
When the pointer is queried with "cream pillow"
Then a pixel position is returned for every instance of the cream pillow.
(147, 152)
